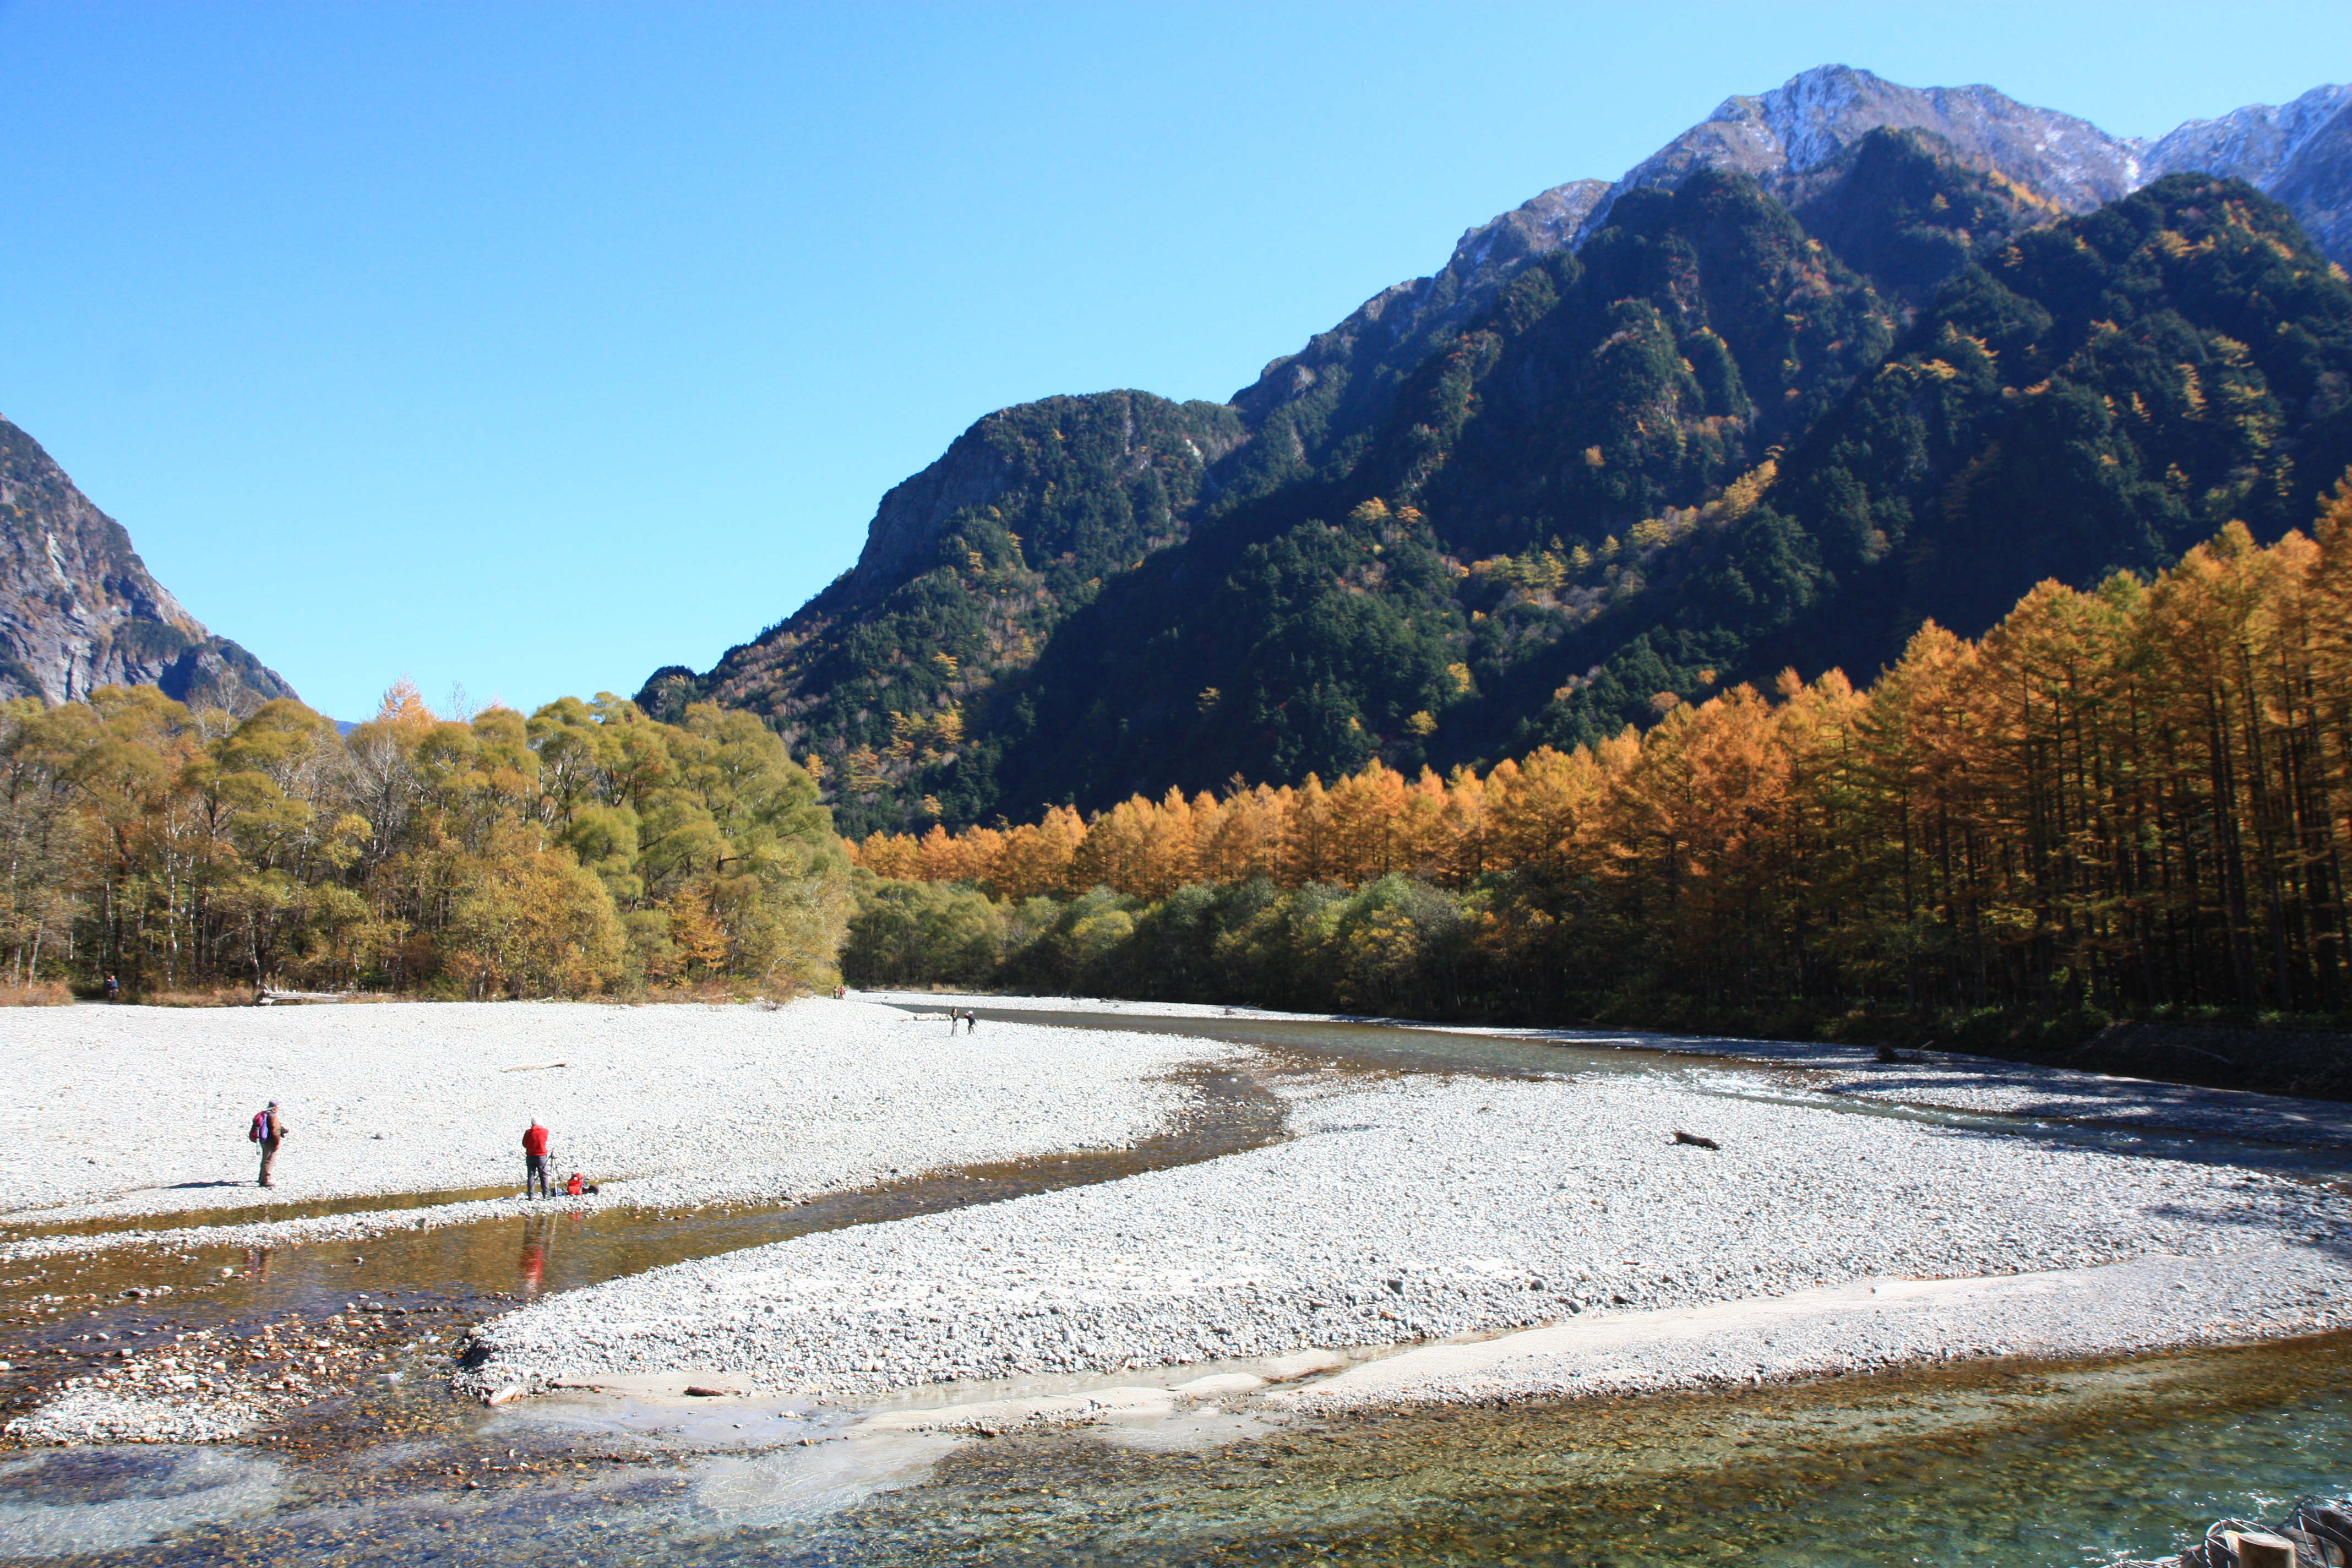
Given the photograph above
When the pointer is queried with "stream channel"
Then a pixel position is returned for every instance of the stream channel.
(2009, 1462)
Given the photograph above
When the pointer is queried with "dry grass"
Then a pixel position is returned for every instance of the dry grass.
(705, 991)
(40, 993)
(214, 997)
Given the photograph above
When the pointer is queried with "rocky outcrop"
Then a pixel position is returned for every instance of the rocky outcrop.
(80, 610)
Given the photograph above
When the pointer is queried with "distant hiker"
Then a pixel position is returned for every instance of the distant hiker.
(268, 1130)
(114, 993)
(534, 1160)
(575, 1186)
(971, 1021)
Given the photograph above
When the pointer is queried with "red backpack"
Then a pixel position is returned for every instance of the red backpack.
(259, 1130)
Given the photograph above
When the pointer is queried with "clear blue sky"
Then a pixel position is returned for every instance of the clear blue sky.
(535, 346)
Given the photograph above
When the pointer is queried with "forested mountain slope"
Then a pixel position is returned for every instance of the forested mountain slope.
(969, 570)
(80, 610)
(1846, 356)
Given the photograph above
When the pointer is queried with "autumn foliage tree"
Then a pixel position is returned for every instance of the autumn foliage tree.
(580, 850)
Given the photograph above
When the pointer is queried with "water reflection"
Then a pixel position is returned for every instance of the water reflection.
(530, 1269)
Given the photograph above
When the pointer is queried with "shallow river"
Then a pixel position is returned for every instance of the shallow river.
(1993, 1462)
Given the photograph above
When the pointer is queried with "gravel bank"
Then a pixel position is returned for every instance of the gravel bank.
(135, 1110)
(2082, 1312)
(1413, 1211)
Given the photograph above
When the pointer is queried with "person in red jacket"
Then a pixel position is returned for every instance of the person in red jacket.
(534, 1161)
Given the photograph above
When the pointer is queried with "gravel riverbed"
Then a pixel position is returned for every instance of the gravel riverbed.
(1416, 1210)
(1943, 1081)
(122, 1111)
(140, 1114)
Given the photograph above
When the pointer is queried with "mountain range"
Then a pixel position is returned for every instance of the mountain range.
(1844, 357)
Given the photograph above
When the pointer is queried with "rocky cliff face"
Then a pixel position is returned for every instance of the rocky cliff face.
(78, 609)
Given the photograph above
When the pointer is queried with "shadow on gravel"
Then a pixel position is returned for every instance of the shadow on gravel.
(2319, 1166)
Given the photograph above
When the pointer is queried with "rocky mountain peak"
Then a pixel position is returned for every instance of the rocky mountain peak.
(2256, 144)
(1817, 115)
(1808, 123)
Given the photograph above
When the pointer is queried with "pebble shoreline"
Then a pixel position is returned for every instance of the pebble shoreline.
(1414, 1211)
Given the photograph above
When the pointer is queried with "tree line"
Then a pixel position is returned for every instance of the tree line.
(2125, 800)
(582, 849)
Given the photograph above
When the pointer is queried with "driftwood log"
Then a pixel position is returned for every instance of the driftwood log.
(1695, 1140)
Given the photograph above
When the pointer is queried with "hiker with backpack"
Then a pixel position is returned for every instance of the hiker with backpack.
(267, 1129)
(534, 1161)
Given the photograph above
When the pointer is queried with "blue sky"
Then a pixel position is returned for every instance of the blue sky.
(531, 347)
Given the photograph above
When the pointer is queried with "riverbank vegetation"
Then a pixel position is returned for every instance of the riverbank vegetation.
(2135, 799)
(583, 849)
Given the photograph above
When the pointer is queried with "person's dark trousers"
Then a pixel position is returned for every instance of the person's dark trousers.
(535, 1176)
